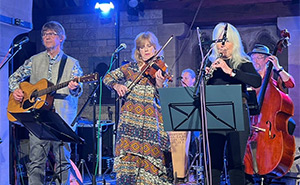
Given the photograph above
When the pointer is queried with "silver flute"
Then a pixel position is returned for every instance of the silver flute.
(211, 70)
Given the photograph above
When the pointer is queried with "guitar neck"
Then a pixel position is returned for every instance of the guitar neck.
(87, 78)
(52, 88)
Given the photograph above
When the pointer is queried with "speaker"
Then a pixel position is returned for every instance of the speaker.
(85, 151)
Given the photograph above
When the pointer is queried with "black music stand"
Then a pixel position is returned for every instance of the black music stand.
(181, 111)
(224, 108)
(48, 125)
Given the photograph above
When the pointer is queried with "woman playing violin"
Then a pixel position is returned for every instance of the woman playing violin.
(141, 143)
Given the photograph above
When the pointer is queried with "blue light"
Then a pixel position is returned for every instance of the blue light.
(105, 7)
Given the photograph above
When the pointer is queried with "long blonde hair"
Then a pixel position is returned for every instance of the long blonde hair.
(139, 42)
(238, 54)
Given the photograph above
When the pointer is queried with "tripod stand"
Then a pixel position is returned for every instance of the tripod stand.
(197, 165)
(57, 175)
(82, 166)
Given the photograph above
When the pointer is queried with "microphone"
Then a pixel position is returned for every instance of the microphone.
(179, 78)
(224, 39)
(120, 48)
(21, 42)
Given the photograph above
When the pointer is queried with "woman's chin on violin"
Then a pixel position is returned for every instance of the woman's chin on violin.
(147, 51)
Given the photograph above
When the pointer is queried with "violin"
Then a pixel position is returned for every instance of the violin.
(154, 66)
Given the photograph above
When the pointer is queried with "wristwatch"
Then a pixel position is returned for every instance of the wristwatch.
(279, 70)
(233, 73)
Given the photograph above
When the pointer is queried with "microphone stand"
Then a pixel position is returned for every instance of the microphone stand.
(200, 103)
(11, 57)
(95, 157)
(92, 97)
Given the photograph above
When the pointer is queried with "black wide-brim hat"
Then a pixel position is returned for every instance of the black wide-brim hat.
(261, 49)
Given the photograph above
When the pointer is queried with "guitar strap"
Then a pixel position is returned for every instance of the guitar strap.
(61, 67)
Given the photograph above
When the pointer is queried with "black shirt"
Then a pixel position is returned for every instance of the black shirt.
(246, 75)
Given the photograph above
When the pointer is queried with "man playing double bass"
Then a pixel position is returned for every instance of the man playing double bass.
(281, 79)
(260, 56)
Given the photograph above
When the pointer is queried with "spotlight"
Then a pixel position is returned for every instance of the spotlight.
(104, 6)
(134, 9)
(133, 3)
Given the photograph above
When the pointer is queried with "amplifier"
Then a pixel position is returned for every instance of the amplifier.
(85, 151)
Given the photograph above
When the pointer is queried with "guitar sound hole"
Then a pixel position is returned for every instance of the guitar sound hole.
(33, 96)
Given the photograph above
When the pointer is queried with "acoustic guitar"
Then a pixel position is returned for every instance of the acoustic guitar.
(40, 95)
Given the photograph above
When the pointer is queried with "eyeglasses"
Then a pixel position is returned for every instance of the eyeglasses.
(258, 58)
(51, 34)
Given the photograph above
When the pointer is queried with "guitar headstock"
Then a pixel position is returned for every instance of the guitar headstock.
(93, 77)
(284, 41)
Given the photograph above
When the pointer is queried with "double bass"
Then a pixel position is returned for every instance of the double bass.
(270, 148)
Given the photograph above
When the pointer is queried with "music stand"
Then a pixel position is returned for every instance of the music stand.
(224, 108)
(48, 125)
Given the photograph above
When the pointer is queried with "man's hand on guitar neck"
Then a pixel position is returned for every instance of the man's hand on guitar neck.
(18, 95)
(74, 88)
(73, 85)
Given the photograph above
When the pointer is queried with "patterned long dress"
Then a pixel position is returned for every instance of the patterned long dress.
(142, 145)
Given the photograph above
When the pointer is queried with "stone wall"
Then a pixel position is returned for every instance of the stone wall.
(92, 42)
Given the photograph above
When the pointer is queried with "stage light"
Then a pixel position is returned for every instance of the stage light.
(133, 3)
(104, 6)
(134, 9)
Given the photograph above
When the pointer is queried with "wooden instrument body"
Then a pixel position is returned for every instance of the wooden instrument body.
(29, 102)
(275, 147)
(38, 95)
(180, 142)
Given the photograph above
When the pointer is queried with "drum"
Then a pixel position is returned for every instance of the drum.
(180, 142)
